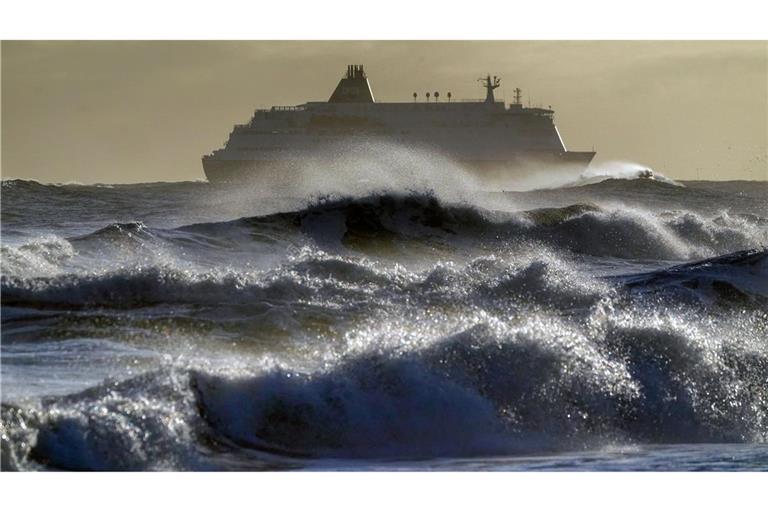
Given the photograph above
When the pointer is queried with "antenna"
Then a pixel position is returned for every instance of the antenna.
(490, 85)
(518, 95)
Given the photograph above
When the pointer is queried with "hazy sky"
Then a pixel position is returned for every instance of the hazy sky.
(147, 110)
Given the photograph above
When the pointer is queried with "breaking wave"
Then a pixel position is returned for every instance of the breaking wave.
(535, 278)
(396, 224)
(582, 228)
(493, 387)
(392, 326)
(42, 256)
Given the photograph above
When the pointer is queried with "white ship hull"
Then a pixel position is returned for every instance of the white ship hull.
(503, 173)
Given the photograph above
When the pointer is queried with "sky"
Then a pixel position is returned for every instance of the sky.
(139, 111)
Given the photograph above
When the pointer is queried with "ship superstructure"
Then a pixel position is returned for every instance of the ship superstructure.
(495, 141)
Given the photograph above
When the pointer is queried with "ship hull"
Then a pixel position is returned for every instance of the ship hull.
(281, 173)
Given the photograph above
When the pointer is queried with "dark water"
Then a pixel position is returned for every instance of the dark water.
(619, 325)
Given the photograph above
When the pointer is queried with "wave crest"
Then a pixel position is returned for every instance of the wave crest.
(491, 388)
(42, 256)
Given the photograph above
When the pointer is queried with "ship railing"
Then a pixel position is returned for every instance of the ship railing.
(478, 100)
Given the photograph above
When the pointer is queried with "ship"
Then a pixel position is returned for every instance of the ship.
(496, 142)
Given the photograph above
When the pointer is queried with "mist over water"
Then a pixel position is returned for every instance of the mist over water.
(388, 313)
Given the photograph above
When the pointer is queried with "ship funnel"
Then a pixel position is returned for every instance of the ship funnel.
(353, 87)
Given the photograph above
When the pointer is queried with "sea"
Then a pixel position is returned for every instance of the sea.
(610, 323)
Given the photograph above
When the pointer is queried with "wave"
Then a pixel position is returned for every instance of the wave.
(630, 183)
(394, 224)
(538, 242)
(147, 422)
(581, 228)
(133, 288)
(740, 278)
(125, 230)
(312, 277)
(16, 183)
(530, 276)
(41, 256)
(345, 285)
(389, 325)
(23, 187)
(489, 388)
(494, 357)
(624, 171)
(379, 219)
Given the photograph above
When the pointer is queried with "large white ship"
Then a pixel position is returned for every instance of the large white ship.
(497, 142)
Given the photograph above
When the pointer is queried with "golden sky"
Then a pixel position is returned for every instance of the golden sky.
(133, 111)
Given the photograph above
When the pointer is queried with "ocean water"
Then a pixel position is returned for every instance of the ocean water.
(619, 324)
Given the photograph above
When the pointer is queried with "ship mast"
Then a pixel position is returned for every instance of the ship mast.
(490, 85)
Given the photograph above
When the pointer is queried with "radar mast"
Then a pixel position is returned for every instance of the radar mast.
(490, 85)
